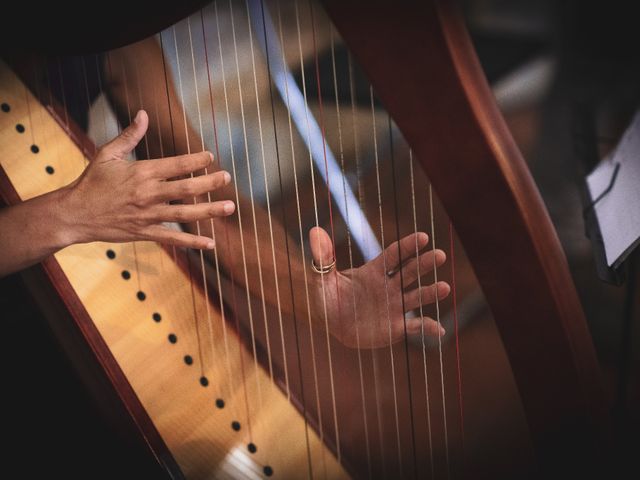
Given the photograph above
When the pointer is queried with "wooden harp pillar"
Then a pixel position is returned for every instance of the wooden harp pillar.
(422, 65)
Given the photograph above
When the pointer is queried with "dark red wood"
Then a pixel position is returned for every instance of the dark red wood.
(421, 63)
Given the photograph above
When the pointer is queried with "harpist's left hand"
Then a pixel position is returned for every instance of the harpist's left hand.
(365, 306)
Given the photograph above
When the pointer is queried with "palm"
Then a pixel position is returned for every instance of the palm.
(365, 306)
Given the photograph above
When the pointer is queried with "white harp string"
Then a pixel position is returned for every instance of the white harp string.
(435, 279)
(386, 283)
(349, 247)
(237, 195)
(422, 335)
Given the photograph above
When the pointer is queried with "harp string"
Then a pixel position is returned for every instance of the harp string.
(301, 236)
(349, 248)
(146, 135)
(250, 22)
(440, 356)
(156, 109)
(133, 244)
(362, 202)
(86, 91)
(205, 281)
(100, 90)
(52, 102)
(238, 210)
(221, 302)
(456, 332)
(187, 256)
(136, 74)
(333, 241)
(267, 198)
(402, 287)
(284, 221)
(386, 284)
(421, 309)
(173, 134)
(31, 132)
(253, 208)
(315, 211)
(37, 83)
(165, 71)
(63, 94)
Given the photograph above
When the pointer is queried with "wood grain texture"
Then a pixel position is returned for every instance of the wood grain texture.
(199, 435)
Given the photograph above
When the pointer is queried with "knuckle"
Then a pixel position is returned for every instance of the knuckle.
(140, 198)
(183, 164)
(104, 152)
(181, 215)
(188, 189)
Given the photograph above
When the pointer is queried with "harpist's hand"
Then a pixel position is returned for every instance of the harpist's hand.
(364, 305)
(117, 200)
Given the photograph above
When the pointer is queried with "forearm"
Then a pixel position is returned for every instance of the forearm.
(33, 230)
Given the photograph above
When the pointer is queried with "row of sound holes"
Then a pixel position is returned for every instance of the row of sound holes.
(6, 108)
(188, 359)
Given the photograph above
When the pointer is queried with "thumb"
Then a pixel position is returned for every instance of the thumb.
(124, 143)
(321, 247)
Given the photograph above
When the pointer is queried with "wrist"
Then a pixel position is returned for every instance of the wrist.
(64, 216)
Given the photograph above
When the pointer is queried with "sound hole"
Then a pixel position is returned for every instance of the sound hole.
(156, 317)
(126, 275)
(268, 471)
(141, 296)
(220, 403)
(252, 448)
(5, 107)
(49, 169)
(35, 148)
(204, 381)
(188, 359)
(235, 425)
(172, 338)
(20, 128)
(111, 254)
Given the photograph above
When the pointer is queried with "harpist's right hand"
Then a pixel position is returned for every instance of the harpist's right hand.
(118, 200)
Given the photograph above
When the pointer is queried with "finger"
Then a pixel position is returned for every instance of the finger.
(160, 234)
(193, 213)
(123, 144)
(425, 295)
(402, 250)
(431, 328)
(321, 247)
(191, 187)
(170, 167)
(421, 266)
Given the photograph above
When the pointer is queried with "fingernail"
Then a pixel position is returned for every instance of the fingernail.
(442, 331)
(229, 207)
(136, 120)
(211, 244)
(210, 156)
(227, 178)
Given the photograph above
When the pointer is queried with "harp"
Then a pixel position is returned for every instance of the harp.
(222, 388)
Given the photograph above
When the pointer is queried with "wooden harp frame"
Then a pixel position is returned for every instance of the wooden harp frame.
(505, 230)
